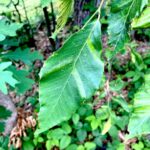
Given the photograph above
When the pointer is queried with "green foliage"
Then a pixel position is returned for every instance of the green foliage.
(143, 21)
(25, 83)
(138, 146)
(117, 31)
(121, 13)
(65, 10)
(25, 55)
(140, 119)
(6, 77)
(8, 29)
(65, 141)
(2, 37)
(79, 108)
(122, 103)
(67, 78)
(107, 126)
(4, 114)
(28, 145)
(2, 126)
(45, 3)
(82, 134)
(4, 143)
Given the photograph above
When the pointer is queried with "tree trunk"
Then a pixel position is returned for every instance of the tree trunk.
(8, 104)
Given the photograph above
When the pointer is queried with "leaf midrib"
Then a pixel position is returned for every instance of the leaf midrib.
(124, 24)
(73, 68)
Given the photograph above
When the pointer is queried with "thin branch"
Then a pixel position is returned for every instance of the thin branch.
(97, 11)
(47, 20)
(26, 14)
(15, 6)
(49, 30)
(53, 17)
(31, 35)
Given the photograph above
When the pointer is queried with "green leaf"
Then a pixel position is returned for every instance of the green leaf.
(122, 12)
(140, 120)
(45, 3)
(69, 76)
(2, 37)
(10, 42)
(72, 147)
(130, 74)
(67, 128)
(25, 83)
(4, 113)
(143, 21)
(55, 134)
(32, 100)
(122, 102)
(117, 31)
(51, 143)
(121, 122)
(8, 28)
(138, 146)
(64, 11)
(113, 132)
(98, 141)
(85, 110)
(25, 55)
(103, 113)
(2, 126)
(81, 135)
(4, 65)
(95, 123)
(90, 146)
(130, 7)
(40, 139)
(80, 147)
(6, 77)
(65, 141)
(79, 125)
(4, 140)
(75, 118)
(28, 145)
(121, 146)
(137, 59)
(117, 85)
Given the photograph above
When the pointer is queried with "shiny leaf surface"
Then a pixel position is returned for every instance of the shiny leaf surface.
(69, 76)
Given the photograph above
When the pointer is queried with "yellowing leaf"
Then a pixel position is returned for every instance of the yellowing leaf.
(143, 21)
(65, 10)
(107, 126)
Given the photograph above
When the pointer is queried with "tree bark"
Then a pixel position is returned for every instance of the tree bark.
(8, 104)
